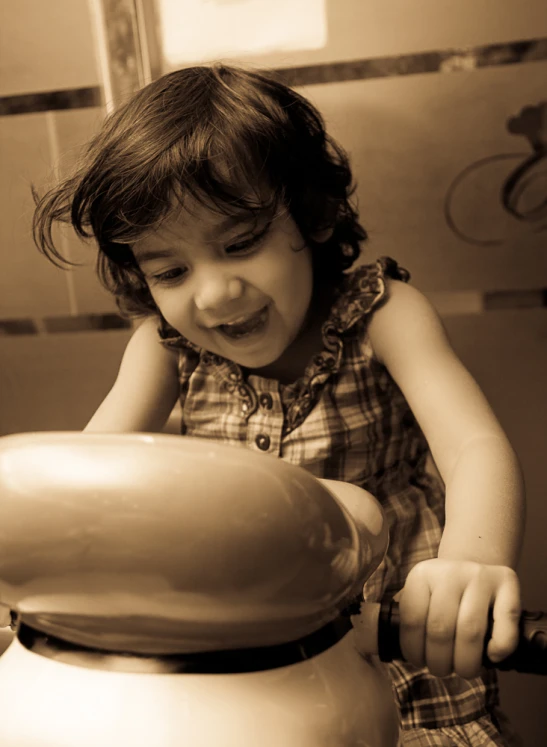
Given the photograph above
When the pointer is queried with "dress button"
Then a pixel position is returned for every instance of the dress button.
(266, 401)
(263, 442)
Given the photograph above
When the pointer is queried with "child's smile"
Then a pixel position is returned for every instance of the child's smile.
(239, 288)
(246, 326)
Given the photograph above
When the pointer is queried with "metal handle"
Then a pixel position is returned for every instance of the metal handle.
(530, 656)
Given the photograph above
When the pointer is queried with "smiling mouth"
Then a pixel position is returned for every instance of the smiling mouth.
(245, 325)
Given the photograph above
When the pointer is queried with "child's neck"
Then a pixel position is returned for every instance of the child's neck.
(292, 364)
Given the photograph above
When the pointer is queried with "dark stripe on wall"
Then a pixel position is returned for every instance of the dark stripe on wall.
(519, 299)
(447, 61)
(18, 327)
(59, 324)
(85, 323)
(502, 300)
(29, 103)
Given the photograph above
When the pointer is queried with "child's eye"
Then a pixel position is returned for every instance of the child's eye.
(247, 246)
(169, 277)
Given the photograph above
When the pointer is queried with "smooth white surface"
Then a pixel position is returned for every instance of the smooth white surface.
(155, 543)
(336, 698)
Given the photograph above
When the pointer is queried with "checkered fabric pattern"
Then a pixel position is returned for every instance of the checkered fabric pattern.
(346, 419)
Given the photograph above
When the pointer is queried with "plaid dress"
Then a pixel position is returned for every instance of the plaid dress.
(346, 419)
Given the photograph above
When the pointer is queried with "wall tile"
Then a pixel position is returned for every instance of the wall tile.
(29, 284)
(46, 46)
(56, 382)
(409, 138)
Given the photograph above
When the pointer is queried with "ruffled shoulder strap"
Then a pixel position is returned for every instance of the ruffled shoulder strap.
(188, 357)
(170, 338)
(363, 290)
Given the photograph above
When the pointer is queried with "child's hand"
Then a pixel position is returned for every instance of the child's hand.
(444, 608)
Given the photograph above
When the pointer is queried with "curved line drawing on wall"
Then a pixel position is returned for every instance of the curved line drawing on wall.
(485, 192)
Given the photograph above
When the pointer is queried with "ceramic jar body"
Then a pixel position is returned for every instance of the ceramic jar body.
(335, 699)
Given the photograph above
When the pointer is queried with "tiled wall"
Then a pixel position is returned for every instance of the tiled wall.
(46, 46)
(410, 137)
(417, 92)
(50, 103)
(31, 148)
(415, 103)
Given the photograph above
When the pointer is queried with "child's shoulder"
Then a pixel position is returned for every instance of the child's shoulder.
(363, 290)
(371, 277)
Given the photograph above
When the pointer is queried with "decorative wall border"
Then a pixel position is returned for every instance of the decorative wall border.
(456, 303)
(129, 69)
(51, 325)
(454, 60)
(47, 101)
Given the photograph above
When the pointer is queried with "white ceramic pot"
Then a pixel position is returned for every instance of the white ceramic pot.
(173, 591)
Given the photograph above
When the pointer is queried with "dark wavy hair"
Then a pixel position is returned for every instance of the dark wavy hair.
(213, 133)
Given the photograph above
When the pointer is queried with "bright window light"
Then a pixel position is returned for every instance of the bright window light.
(205, 30)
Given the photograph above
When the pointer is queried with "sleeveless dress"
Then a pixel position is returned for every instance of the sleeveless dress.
(346, 419)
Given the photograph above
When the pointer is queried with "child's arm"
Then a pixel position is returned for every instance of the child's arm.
(446, 601)
(146, 388)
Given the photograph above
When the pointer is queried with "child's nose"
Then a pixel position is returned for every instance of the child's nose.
(215, 290)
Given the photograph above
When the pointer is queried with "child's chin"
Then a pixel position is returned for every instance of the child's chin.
(255, 360)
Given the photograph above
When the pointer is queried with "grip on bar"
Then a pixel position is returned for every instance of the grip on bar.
(530, 656)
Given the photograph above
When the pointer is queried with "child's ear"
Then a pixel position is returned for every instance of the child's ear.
(323, 235)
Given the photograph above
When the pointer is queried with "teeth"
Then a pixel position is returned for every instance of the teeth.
(241, 319)
(244, 325)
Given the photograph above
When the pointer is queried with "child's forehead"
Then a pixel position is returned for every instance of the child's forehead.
(211, 219)
(208, 222)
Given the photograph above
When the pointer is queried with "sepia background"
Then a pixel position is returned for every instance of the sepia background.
(438, 103)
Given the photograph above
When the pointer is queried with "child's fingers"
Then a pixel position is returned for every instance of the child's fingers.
(471, 629)
(441, 629)
(506, 614)
(413, 609)
(428, 613)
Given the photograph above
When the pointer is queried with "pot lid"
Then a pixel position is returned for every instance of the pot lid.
(158, 544)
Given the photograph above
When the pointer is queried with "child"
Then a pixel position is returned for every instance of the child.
(221, 211)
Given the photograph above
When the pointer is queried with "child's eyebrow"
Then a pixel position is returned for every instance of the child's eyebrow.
(229, 222)
(151, 254)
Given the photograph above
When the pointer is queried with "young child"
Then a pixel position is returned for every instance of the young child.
(222, 216)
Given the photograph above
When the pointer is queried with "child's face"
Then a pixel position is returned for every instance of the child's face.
(231, 287)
